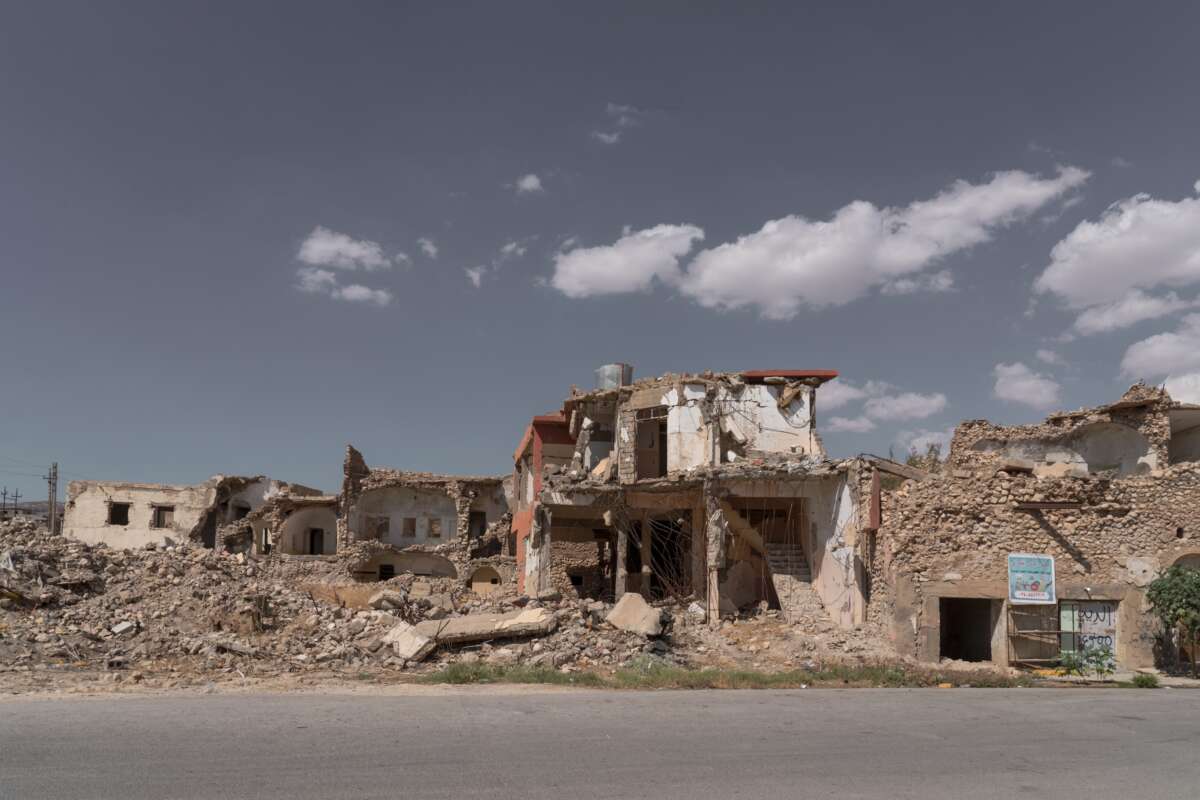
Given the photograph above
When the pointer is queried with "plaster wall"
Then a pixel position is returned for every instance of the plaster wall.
(86, 513)
(398, 503)
(1185, 446)
(293, 534)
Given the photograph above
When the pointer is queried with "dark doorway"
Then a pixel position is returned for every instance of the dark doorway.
(651, 445)
(966, 628)
(476, 524)
(316, 541)
(387, 572)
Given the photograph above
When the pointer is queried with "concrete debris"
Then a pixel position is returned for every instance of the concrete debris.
(408, 643)
(632, 613)
(485, 627)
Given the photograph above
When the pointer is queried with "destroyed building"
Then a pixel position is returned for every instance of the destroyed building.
(714, 486)
(453, 526)
(1112, 493)
(127, 515)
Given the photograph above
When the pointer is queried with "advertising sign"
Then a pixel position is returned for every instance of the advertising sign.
(1031, 579)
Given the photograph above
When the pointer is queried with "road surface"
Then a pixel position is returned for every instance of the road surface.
(575, 745)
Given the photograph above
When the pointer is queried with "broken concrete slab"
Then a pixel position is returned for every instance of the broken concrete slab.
(482, 627)
(632, 613)
(408, 643)
(387, 599)
(122, 628)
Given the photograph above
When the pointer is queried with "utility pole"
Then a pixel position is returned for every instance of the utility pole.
(52, 505)
(16, 496)
(4, 503)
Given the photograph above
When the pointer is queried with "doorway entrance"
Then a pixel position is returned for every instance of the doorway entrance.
(966, 628)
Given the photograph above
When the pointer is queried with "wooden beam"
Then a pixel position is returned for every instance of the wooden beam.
(1050, 505)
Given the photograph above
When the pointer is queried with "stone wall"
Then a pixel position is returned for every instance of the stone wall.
(950, 536)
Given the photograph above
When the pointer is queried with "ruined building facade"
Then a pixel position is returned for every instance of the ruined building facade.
(1112, 493)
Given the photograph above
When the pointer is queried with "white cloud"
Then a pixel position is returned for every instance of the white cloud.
(1123, 163)
(907, 405)
(838, 393)
(795, 262)
(513, 250)
(1138, 243)
(529, 184)
(622, 117)
(1017, 383)
(402, 258)
(475, 275)
(428, 247)
(937, 282)
(920, 441)
(1131, 309)
(314, 280)
(1050, 357)
(630, 264)
(357, 293)
(851, 425)
(326, 248)
(1184, 388)
(1165, 353)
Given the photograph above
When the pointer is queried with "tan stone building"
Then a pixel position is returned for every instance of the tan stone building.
(1111, 493)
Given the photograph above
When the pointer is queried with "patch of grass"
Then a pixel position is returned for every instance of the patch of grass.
(1144, 680)
(490, 673)
(648, 672)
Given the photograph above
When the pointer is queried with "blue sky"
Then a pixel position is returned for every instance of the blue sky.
(213, 216)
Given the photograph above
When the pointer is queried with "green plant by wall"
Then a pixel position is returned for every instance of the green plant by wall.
(1175, 597)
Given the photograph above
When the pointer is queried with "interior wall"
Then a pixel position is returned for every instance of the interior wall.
(399, 502)
(293, 534)
(1185, 446)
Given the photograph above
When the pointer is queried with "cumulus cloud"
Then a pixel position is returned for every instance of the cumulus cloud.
(1105, 268)
(795, 262)
(1184, 388)
(326, 248)
(629, 265)
(619, 118)
(860, 424)
(1131, 309)
(428, 247)
(1017, 383)
(881, 403)
(513, 250)
(314, 280)
(903, 406)
(920, 440)
(1050, 357)
(1165, 353)
(938, 282)
(838, 393)
(528, 184)
(475, 275)
(356, 293)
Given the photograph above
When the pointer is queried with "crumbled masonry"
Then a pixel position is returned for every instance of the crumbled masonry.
(688, 519)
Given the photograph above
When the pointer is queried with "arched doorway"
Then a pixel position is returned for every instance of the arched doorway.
(485, 580)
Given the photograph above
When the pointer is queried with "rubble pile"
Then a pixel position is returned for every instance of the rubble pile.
(187, 614)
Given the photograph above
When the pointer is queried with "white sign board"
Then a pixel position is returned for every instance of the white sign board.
(1031, 579)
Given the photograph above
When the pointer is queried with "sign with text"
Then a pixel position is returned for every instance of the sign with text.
(1031, 579)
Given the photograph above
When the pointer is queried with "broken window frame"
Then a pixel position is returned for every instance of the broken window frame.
(433, 528)
(112, 507)
(162, 516)
(408, 529)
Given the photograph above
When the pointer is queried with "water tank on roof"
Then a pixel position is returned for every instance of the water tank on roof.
(610, 376)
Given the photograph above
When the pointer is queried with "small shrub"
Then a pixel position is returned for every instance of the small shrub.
(1145, 680)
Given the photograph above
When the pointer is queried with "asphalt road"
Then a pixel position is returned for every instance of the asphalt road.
(575, 745)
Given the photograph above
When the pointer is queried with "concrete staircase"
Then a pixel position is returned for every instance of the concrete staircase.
(792, 578)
